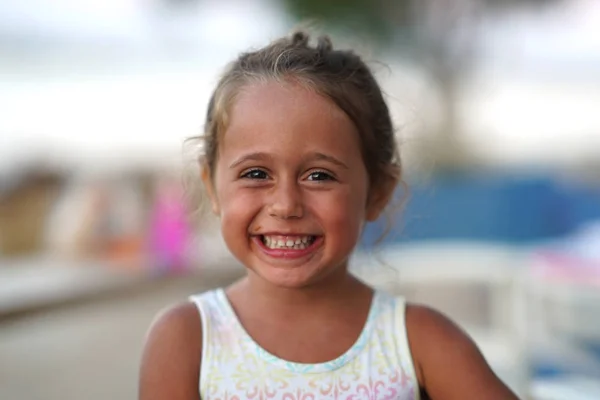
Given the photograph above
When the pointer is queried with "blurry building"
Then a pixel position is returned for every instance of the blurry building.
(25, 203)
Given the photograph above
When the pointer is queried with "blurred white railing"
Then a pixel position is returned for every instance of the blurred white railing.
(479, 286)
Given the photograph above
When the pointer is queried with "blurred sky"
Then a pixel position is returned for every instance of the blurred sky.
(537, 92)
(100, 84)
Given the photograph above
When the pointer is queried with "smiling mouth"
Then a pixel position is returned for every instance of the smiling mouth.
(288, 242)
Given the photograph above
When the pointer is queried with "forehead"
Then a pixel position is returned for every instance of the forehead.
(288, 117)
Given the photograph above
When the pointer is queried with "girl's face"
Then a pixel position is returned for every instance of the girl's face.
(290, 185)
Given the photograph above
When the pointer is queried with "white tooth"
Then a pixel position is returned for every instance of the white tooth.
(298, 241)
(296, 247)
(280, 243)
(289, 243)
(301, 246)
(267, 240)
(305, 239)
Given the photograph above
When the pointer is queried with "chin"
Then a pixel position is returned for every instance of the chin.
(293, 277)
(287, 279)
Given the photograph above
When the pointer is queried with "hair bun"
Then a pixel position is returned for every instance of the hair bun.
(324, 44)
(300, 39)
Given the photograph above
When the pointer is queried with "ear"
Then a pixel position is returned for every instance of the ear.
(379, 198)
(206, 176)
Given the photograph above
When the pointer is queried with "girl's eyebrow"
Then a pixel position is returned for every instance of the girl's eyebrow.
(256, 156)
(325, 157)
(260, 156)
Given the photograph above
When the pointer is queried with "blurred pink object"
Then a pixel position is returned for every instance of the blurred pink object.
(575, 260)
(567, 268)
(170, 232)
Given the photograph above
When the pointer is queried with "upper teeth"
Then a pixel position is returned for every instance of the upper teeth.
(300, 242)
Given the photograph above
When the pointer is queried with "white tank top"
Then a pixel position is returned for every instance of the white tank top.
(234, 367)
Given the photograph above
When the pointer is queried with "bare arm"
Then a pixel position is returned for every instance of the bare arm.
(448, 364)
(170, 366)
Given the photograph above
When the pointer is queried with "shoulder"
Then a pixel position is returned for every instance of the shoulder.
(447, 362)
(177, 322)
(424, 324)
(170, 365)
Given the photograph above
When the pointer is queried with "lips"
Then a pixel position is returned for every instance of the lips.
(288, 246)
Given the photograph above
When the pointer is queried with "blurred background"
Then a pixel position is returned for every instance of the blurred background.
(496, 107)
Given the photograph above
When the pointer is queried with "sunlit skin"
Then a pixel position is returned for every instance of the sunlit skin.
(290, 166)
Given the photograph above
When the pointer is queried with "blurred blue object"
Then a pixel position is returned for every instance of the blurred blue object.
(509, 209)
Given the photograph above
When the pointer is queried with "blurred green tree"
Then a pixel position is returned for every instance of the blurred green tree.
(438, 34)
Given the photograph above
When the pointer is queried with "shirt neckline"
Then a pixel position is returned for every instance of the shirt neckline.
(326, 366)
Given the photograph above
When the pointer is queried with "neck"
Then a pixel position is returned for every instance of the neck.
(340, 286)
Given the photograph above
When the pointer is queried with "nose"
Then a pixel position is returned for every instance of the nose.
(286, 201)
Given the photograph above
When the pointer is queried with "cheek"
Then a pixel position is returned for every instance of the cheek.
(343, 212)
(237, 207)
(236, 211)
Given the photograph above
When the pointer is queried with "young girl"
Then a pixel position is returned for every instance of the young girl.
(299, 153)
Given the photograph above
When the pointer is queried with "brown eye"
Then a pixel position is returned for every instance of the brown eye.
(320, 176)
(255, 174)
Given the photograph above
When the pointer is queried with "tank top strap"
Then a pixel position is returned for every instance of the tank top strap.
(398, 328)
(219, 332)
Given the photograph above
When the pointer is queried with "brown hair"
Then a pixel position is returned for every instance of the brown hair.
(339, 75)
